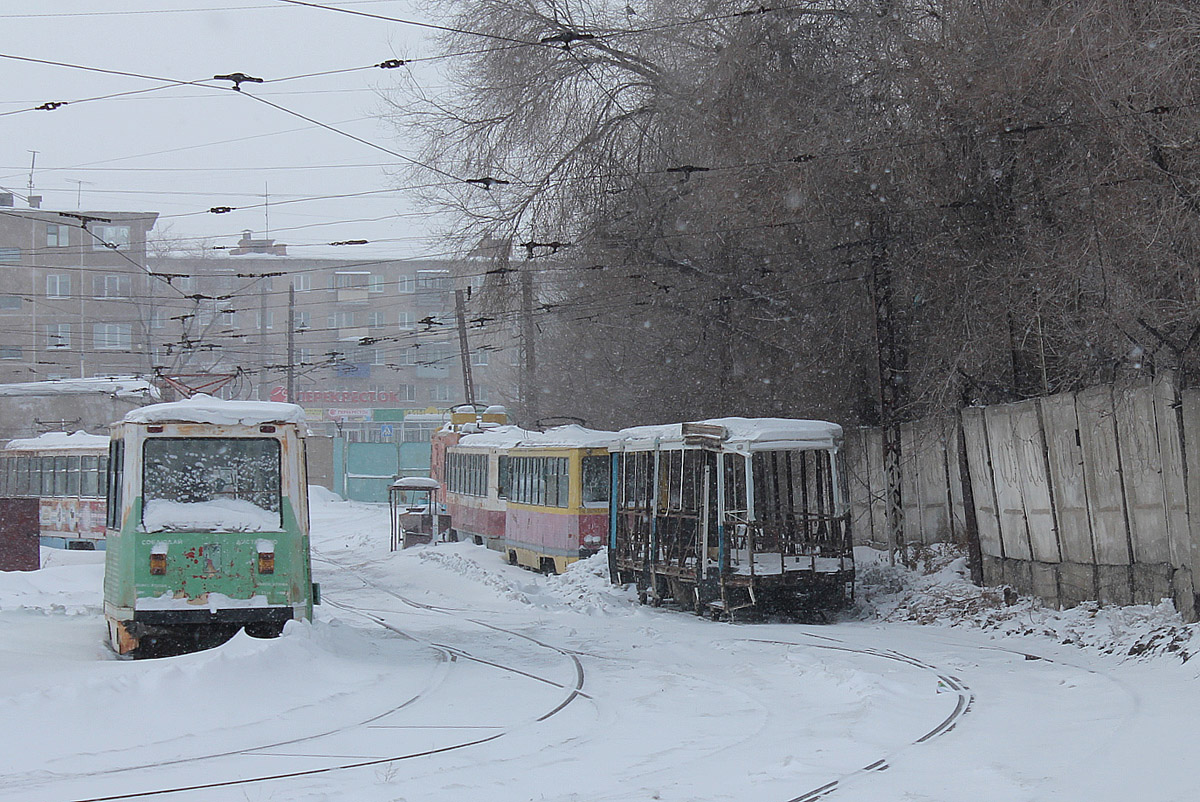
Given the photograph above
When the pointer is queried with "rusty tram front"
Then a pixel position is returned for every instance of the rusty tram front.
(732, 513)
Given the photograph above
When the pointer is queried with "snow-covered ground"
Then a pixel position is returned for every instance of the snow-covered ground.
(441, 673)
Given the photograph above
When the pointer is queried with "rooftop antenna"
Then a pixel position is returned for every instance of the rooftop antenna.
(267, 209)
(79, 191)
(32, 163)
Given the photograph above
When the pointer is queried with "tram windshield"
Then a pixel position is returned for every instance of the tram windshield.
(211, 484)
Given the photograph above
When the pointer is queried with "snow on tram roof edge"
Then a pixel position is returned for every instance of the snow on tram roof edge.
(741, 434)
(569, 436)
(207, 409)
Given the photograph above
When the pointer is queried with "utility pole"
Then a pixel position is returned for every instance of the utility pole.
(460, 310)
(291, 344)
(528, 388)
(262, 335)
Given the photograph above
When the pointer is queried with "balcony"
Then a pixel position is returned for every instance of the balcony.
(352, 295)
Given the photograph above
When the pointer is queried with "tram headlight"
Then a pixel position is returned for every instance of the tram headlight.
(266, 557)
(158, 559)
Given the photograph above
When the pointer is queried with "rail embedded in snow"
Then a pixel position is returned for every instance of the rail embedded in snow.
(206, 409)
(740, 434)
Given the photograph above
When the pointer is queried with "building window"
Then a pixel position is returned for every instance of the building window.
(259, 321)
(57, 236)
(10, 303)
(112, 336)
(406, 321)
(406, 284)
(229, 318)
(406, 392)
(58, 286)
(439, 392)
(301, 319)
(352, 281)
(58, 335)
(407, 356)
(10, 352)
(434, 280)
(184, 283)
(343, 319)
(115, 237)
(375, 320)
(304, 355)
(374, 283)
(111, 286)
(479, 358)
(157, 319)
(302, 282)
(10, 256)
(481, 395)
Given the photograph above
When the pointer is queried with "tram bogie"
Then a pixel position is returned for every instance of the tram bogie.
(207, 522)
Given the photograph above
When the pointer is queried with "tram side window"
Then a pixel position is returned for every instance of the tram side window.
(115, 477)
(596, 480)
(72, 476)
(5, 485)
(88, 486)
(60, 476)
(22, 476)
(503, 476)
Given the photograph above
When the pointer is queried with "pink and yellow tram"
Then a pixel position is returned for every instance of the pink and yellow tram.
(541, 498)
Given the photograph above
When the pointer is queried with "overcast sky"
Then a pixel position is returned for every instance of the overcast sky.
(184, 149)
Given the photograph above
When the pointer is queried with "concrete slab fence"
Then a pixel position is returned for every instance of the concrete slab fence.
(1078, 496)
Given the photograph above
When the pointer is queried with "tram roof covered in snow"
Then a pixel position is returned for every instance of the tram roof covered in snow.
(733, 434)
(53, 441)
(207, 409)
(569, 436)
(495, 437)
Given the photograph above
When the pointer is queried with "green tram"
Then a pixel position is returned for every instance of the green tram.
(207, 523)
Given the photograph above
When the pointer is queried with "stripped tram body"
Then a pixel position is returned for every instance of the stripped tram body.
(732, 513)
(207, 522)
(65, 472)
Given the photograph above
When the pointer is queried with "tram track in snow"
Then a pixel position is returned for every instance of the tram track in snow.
(963, 705)
(449, 656)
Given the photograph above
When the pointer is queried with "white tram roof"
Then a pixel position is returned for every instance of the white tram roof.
(734, 434)
(207, 409)
(53, 441)
(495, 437)
(569, 436)
(416, 483)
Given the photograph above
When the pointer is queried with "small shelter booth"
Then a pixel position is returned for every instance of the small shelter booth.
(416, 520)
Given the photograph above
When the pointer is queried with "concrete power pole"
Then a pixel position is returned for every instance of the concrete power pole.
(529, 388)
(460, 310)
(291, 344)
(262, 336)
(891, 378)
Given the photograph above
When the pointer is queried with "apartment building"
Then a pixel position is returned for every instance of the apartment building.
(76, 299)
(372, 339)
